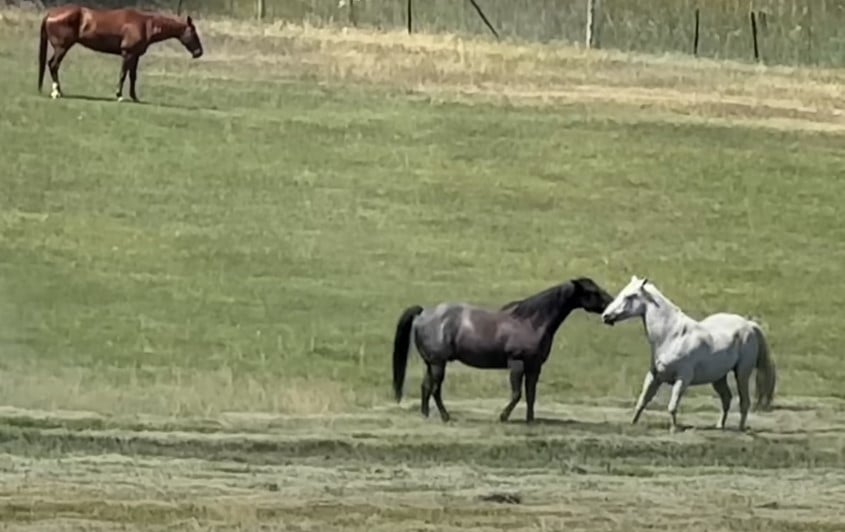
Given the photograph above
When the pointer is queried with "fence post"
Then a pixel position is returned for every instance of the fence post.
(179, 8)
(696, 35)
(593, 16)
(260, 9)
(352, 18)
(410, 17)
(754, 36)
(484, 18)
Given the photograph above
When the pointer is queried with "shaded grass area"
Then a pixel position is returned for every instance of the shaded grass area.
(389, 470)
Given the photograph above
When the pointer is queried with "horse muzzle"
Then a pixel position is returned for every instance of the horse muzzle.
(196, 54)
(608, 320)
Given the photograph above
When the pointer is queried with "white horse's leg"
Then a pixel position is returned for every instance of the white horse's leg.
(678, 390)
(724, 391)
(650, 387)
(742, 378)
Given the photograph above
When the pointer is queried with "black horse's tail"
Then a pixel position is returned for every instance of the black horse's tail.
(42, 53)
(401, 345)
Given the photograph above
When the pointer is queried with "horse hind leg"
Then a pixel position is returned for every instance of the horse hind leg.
(517, 370)
(724, 391)
(53, 64)
(425, 391)
(743, 376)
(438, 373)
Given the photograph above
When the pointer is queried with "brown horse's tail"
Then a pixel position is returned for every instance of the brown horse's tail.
(42, 53)
(401, 347)
(766, 372)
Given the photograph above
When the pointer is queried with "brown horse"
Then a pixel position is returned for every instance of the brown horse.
(124, 32)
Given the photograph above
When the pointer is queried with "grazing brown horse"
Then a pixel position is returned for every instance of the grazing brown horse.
(124, 32)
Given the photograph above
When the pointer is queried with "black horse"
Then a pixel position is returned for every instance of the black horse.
(517, 337)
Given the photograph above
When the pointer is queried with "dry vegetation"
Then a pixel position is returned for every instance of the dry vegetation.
(450, 66)
(581, 467)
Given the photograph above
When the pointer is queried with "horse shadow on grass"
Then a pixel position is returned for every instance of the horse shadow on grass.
(563, 425)
(112, 99)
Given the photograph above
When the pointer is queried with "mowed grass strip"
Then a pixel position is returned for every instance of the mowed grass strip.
(240, 242)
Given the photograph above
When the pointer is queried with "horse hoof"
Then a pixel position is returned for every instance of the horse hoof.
(55, 95)
(121, 99)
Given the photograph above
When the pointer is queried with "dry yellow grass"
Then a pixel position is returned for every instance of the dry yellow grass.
(674, 87)
(322, 472)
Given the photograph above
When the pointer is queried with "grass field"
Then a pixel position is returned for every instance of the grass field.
(198, 293)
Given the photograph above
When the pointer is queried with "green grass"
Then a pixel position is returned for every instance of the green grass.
(264, 236)
(198, 294)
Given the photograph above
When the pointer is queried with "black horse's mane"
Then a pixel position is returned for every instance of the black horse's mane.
(546, 302)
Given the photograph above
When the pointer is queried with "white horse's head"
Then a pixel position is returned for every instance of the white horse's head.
(630, 302)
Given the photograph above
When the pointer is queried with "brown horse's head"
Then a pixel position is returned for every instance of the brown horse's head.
(190, 39)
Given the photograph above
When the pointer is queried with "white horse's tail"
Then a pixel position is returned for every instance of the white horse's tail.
(766, 372)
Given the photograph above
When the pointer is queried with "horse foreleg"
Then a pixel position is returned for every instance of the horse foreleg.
(517, 369)
(53, 64)
(678, 390)
(133, 77)
(532, 376)
(724, 391)
(650, 387)
(438, 373)
(124, 69)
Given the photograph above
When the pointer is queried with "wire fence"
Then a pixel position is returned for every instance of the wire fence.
(790, 32)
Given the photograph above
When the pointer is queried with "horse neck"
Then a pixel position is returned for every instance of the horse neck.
(555, 320)
(661, 318)
(164, 28)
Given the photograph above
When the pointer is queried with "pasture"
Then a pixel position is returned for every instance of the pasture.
(198, 293)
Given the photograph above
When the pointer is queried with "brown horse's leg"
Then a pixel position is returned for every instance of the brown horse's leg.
(128, 59)
(532, 375)
(53, 64)
(133, 77)
(517, 368)
(438, 373)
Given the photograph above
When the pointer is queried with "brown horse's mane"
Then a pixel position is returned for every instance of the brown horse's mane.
(168, 21)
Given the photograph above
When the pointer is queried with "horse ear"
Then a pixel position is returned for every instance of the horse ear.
(642, 285)
(190, 21)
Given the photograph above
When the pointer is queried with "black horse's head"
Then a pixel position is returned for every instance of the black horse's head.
(590, 296)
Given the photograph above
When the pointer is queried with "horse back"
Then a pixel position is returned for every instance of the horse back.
(728, 329)
(104, 30)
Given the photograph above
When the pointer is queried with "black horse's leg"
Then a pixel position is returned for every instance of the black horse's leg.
(438, 373)
(133, 77)
(517, 368)
(426, 390)
(532, 375)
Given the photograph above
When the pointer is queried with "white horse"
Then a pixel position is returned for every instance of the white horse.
(686, 352)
